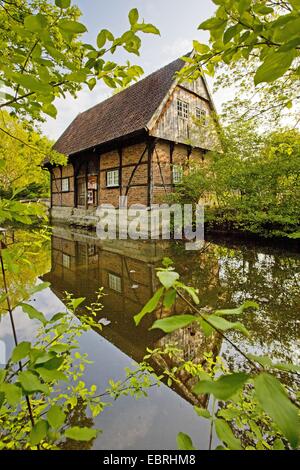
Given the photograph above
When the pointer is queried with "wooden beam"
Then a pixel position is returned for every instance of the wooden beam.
(120, 152)
(135, 168)
(160, 171)
(151, 148)
(172, 147)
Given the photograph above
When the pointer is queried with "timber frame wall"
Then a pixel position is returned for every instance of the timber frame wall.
(145, 172)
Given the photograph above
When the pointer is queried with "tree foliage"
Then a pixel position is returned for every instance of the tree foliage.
(256, 43)
(44, 56)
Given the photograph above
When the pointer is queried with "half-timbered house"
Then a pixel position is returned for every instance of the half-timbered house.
(134, 144)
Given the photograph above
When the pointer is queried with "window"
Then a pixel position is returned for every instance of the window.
(114, 282)
(182, 109)
(112, 178)
(177, 174)
(201, 115)
(65, 185)
(66, 261)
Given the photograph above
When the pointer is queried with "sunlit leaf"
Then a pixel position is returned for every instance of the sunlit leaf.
(276, 403)
(226, 435)
(168, 278)
(224, 387)
(150, 306)
(173, 323)
(81, 434)
(184, 442)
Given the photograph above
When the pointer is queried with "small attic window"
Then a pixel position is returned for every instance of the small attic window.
(201, 115)
(182, 109)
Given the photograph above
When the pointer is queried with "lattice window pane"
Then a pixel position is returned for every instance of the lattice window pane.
(201, 115)
(182, 109)
(66, 261)
(65, 187)
(114, 282)
(177, 174)
(112, 178)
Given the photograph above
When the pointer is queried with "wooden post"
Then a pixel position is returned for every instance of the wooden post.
(86, 185)
(151, 148)
(172, 146)
(120, 152)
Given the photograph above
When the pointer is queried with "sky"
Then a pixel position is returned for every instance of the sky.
(177, 21)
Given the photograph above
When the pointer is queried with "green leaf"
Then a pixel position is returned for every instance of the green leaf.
(226, 435)
(21, 351)
(56, 417)
(184, 442)
(49, 375)
(168, 278)
(109, 81)
(39, 287)
(35, 23)
(200, 48)
(203, 412)
(231, 32)
(224, 387)
(212, 23)
(295, 4)
(50, 109)
(38, 432)
(173, 323)
(190, 290)
(60, 348)
(275, 402)
(238, 310)
(81, 434)
(30, 383)
(73, 27)
(148, 29)
(274, 66)
(63, 3)
(133, 16)
(2, 375)
(57, 317)
(12, 393)
(243, 5)
(169, 298)
(101, 38)
(224, 325)
(150, 306)
(31, 83)
(33, 313)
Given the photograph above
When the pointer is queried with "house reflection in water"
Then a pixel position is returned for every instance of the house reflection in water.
(81, 264)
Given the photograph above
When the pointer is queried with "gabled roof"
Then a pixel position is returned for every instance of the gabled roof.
(124, 113)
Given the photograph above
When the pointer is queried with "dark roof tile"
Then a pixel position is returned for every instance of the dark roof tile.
(122, 114)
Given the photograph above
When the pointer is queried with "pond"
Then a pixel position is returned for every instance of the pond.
(226, 272)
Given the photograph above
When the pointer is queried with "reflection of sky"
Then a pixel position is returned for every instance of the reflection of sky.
(147, 423)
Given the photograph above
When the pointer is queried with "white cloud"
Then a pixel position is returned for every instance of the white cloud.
(70, 107)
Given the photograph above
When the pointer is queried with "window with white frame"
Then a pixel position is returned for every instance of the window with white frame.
(201, 115)
(182, 109)
(112, 178)
(65, 185)
(114, 282)
(66, 261)
(177, 174)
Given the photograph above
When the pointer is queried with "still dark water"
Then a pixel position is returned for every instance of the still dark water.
(226, 274)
